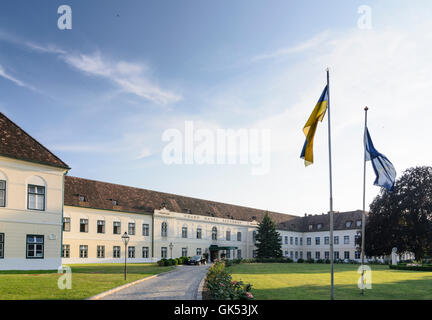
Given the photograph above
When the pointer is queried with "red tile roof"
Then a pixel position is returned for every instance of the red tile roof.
(100, 195)
(18, 144)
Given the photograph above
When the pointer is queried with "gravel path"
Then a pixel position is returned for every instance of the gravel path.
(180, 284)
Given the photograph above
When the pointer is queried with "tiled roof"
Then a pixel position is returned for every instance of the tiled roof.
(301, 224)
(18, 144)
(100, 195)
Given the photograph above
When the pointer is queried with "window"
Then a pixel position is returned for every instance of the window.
(66, 251)
(346, 239)
(116, 227)
(309, 255)
(336, 255)
(145, 252)
(317, 241)
(145, 229)
(346, 255)
(317, 255)
(83, 251)
(131, 252)
(358, 223)
(291, 254)
(83, 225)
(308, 241)
(228, 254)
(357, 239)
(296, 254)
(164, 229)
(286, 253)
(286, 239)
(254, 233)
(82, 198)
(101, 226)
(239, 236)
(198, 252)
(301, 241)
(66, 223)
(2, 193)
(184, 232)
(296, 241)
(100, 251)
(228, 235)
(184, 252)
(199, 233)
(115, 202)
(36, 197)
(116, 252)
(35, 247)
(239, 254)
(336, 240)
(2, 238)
(301, 254)
(214, 233)
(254, 253)
(310, 227)
(131, 228)
(319, 226)
(326, 240)
(164, 252)
(327, 255)
(291, 240)
(348, 224)
(357, 255)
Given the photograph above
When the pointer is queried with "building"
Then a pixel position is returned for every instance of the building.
(31, 201)
(48, 218)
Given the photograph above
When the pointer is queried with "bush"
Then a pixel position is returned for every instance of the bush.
(310, 261)
(221, 287)
(300, 260)
(412, 268)
(320, 261)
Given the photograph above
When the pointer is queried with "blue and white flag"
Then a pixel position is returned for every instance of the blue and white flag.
(384, 170)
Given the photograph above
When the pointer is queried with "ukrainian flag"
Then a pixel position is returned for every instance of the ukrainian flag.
(309, 129)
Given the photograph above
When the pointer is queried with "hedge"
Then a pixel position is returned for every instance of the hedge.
(412, 268)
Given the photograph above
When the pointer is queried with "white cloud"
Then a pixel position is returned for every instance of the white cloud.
(18, 82)
(130, 77)
(301, 47)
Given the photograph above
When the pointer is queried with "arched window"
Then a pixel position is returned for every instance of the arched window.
(164, 229)
(214, 233)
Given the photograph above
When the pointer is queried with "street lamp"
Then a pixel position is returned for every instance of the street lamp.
(171, 246)
(125, 237)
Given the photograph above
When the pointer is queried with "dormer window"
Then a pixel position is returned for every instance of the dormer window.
(311, 227)
(348, 224)
(82, 198)
(319, 226)
(115, 202)
(358, 223)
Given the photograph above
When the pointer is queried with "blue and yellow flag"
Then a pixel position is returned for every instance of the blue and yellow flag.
(309, 129)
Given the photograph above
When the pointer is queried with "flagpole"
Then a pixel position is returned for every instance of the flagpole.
(364, 209)
(331, 189)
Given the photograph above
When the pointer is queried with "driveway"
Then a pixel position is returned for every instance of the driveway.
(180, 284)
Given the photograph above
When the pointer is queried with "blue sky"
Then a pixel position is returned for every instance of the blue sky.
(101, 95)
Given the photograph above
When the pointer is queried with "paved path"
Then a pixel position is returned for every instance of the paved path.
(180, 284)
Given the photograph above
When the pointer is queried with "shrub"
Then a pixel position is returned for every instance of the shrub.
(300, 260)
(412, 268)
(221, 287)
(320, 261)
(310, 261)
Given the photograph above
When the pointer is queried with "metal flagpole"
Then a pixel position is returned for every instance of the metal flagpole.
(331, 189)
(364, 208)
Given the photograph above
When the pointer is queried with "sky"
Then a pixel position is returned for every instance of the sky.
(102, 94)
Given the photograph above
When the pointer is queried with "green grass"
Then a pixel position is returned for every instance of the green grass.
(286, 281)
(87, 280)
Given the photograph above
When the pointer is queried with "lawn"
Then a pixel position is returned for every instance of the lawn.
(87, 280)
(285, 281)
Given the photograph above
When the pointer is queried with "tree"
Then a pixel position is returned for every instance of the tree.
(402, 218)
(268, 241)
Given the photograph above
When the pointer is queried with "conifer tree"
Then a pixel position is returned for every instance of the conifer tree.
(268, 241)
